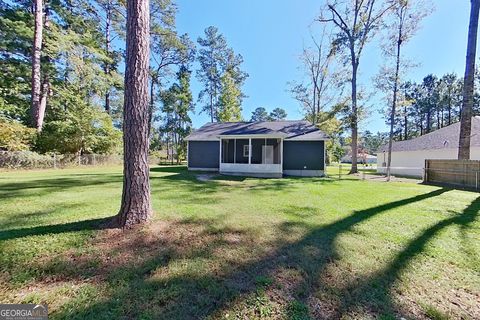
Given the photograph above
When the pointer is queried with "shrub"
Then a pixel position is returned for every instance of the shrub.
(24, 160)
(82, 130)
(14, 136)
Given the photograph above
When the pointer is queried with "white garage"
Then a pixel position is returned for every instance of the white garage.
(408, 157)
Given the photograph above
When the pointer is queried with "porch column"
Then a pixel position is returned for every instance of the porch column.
(249, 150)
(264, 160)
(220, 154)
(281, 153)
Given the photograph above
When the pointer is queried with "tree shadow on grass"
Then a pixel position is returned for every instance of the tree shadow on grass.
(194, 295)
(192, 190)
(41, 187)
(208, 294)
(378, 286)
(169, 169)
(34, 216)
(86, 225)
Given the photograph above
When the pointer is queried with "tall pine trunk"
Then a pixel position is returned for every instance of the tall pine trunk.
(314, 105)
(211, 108)
(394, 101)
(108, 40)
(438, 118)
(44, 92)
(45, 84)
(468, 86)
(354, 116)
(151, 106)
(36, 116)
(422, 131)
(449, 108)
(136, 205)
(428, 123)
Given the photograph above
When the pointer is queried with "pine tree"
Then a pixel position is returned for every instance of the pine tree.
(259, 114)
(229, 106)
(216, 59)
(177, 103)
(277, 114)
(468, 87)
(37, 113)
(136, 204)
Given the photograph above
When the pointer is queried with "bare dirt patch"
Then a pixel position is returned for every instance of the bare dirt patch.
(380, 178)
(206, 176)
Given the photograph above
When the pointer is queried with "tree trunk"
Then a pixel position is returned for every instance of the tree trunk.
(151, 105)
(107, 51)
(215, 99)
(177, 138)
(443, 117)
(36, 117)
(211, 108)
(394, 102)
(354, 116)
(173, 145)
(438, 118)
(136, 205)
(176, 148)
(45, 84)
(166, 162)
(450, 109)
(429, 119)
(421, 125)
(468, 86)
(45, 91)
(314, 106)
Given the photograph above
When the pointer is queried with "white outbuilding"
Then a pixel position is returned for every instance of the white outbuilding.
(408, 156)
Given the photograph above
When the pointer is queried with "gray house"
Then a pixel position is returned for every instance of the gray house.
(265, 149)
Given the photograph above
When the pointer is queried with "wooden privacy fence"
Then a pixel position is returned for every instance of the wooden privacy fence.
(460, 173)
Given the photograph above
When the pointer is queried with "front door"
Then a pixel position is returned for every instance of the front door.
(267, 154)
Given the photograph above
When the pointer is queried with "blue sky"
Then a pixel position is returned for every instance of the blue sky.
(270, 34)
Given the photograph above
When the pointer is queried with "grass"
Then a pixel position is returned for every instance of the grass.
(296, 248)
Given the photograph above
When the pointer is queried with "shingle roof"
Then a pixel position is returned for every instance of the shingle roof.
(446, 137)
(293, 130)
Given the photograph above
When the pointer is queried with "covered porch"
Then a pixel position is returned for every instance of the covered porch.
(256, 155)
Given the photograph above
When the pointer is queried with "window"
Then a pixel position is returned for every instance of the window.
(246, 150)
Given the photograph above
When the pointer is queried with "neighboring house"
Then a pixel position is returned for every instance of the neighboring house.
(408, 157)
(171, 153)
(362, 158)
(266, 148)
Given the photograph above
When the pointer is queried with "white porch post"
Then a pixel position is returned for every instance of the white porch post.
(220, 155)
(249, 150)
(281, 153)
(265, 152)
(188, 147)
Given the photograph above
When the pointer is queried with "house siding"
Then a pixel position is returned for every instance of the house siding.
(203, 154)
(412, 163)
(303, 155)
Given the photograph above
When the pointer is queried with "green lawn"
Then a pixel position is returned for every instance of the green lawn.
(246, 248)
